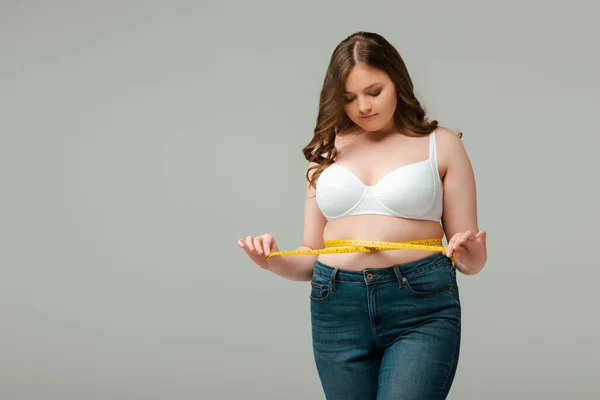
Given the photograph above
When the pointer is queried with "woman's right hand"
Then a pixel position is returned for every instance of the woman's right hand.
(258, 248)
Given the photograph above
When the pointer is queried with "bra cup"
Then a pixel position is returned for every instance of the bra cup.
(411, 191)
(338, 194)
(407, 191)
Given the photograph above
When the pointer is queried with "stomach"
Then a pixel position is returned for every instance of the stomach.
(380, 228)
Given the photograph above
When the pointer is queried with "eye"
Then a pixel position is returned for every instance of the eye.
(374, 94)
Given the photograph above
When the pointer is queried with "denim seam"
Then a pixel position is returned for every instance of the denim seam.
(381, 306)
(332, 279)
(449, 288)
(399, 277)
(454, 362)
(356, 282)
(420, 272)
(370, 309)
(433, 267)
(456, 302)
(320, 298)
(321, 276)
(320, 287)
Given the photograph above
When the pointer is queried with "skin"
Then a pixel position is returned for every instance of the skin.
(371, 154)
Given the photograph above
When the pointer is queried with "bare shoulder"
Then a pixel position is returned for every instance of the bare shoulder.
(312, 168)
(450, 147)
(447, 137)
(341, 141)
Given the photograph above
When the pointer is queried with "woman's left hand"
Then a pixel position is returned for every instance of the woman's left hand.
(470, 251)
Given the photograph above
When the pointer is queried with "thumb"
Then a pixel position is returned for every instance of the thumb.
(482, 236)
(269, 244)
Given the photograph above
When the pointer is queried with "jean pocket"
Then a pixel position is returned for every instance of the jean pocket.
(430, 282)
(319, 288)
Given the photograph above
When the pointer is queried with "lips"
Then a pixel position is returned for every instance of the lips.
(369, 116)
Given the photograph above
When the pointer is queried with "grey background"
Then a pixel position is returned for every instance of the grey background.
(140, 140)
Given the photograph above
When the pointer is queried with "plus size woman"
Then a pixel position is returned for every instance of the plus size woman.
(385, 324)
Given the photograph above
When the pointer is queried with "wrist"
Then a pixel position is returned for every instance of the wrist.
(469, 269)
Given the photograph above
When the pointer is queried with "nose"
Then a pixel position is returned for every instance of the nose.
(364, 106)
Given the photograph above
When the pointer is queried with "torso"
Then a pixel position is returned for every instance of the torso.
(370, 159)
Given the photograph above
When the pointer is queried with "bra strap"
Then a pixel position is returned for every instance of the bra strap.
(433, 149)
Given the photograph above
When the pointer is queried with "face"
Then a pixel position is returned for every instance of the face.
(370, 98)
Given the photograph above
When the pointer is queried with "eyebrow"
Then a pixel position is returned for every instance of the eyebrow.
(368, 87)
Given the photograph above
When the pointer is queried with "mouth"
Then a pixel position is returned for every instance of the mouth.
(369, 116)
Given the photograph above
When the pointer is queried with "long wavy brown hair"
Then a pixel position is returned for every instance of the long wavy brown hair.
(373, 50)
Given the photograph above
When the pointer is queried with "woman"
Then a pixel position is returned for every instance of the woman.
(385, 324)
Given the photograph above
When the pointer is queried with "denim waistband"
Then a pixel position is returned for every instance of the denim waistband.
(380, 275)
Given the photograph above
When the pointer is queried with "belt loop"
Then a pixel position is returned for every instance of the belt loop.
(398, 275)
(332, 279)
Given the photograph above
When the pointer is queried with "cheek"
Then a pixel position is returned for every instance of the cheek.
(349, 109)
(352, 112)
(388, 104)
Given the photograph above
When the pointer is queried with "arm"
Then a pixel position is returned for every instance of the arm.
(300, 268)
(459, 218)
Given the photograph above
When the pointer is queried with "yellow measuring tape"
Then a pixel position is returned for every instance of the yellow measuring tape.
(364, 246)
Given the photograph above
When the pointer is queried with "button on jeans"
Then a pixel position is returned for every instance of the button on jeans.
(389, 333)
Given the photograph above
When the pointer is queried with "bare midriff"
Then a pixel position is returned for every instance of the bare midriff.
(380, 228)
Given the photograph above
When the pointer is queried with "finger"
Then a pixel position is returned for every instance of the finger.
(468, 235)
(466, 242)
(249, 243)
(458, 252)
(456, 248)
(244, 246)
(452, 244)
(258, 244)
(267, 245)
(483, 238)
(450, 248)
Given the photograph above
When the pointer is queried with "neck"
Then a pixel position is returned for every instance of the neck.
(379, 134)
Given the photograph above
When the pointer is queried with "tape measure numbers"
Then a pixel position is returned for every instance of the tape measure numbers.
(365, 246)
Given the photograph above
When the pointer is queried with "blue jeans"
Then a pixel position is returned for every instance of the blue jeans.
(389, 333)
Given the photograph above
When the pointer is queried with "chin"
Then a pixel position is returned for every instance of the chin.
(374, 125)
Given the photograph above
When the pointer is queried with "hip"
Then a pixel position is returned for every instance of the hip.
(386, 301)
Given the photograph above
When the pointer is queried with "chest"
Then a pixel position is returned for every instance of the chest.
(370, 163)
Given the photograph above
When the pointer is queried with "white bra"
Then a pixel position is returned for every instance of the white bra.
(412, 191)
